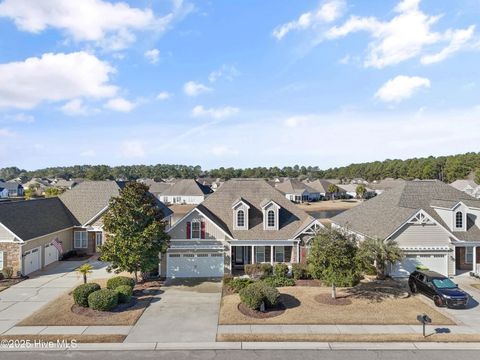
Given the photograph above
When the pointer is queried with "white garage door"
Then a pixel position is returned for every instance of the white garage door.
(437, 262)
(51, 254)
(194, 265)
(31, 261)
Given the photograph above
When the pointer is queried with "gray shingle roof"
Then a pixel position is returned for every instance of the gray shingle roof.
(382, 215)
(293, 186)
(218, 207)
(321, 185)
(29, 219)
(187, 187)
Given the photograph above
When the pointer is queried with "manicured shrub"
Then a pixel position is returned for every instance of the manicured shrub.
(257, 293)
(81, 293)
(227, 279)
(279, 281)
(299, 271)
(280, 270)
(239, 283)
(253, 270)
(103, 300)
(116, 281)
(125, 293)
(267, 269)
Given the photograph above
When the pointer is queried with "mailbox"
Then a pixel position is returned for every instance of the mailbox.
(424, 319)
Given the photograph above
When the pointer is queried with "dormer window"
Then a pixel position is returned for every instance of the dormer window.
(271, 219)
(240, 218)
(196, 230)
(240, 214)
(271, 215)
(459, 220)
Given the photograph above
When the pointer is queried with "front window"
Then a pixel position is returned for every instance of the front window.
(279, 254)
(459, 220)
(271, 218)
(444, 283)
(196, 230)
(98, 238)
(468, 255)
(240, 218)
(80, 239)
(260, 254)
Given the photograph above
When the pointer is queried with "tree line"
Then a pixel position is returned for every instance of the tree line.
(445, 168)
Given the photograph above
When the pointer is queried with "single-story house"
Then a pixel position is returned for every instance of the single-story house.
(298, 191)
(322, 185)
(10, 189)
(74, 219)
(156, 187)
(245, 221)
(467, 186)
(351, 191)
(436, 225)
(185, 191)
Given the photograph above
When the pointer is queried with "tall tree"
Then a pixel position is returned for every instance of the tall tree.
(135, 231)
(477, 176)
(379, 253)
(361, 190)
(332, 190)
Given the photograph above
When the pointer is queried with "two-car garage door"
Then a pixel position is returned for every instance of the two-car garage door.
(191, 265)
(434, 262)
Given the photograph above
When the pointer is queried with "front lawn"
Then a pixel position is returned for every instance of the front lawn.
(59, 311)
(302, 307)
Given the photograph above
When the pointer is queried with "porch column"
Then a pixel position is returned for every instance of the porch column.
(253, 254)
(231, 260)
(474, 259)
(271, 255)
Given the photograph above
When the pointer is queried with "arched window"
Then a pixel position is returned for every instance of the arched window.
(271, 218)
(459, 219)
(240, 218)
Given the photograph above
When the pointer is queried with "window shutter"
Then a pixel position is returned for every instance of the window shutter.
(188, 230)
(202, 224)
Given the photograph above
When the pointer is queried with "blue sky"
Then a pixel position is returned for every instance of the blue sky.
(237, 83)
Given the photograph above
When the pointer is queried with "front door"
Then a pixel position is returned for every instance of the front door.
(238, 255)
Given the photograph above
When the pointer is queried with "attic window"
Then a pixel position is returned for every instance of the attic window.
(195, 229)
(240, 218)
(271, 218)
(459, 220)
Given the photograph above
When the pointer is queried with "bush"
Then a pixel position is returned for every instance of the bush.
(117, 281)
(267, 269)
(103, 300)
(254, 294)
(280, 270)
(81, 293)
(370, 270)
(240, 283)
(8, 272)
(125, 293)
(277, 281)
(227, 279)
(299, 271)
(253, 270)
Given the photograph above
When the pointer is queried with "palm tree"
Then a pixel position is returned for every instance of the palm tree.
(84, 270)
(361, 190)
(379, 252)
(332, 190)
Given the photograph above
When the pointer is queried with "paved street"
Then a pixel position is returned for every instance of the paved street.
(183, 312)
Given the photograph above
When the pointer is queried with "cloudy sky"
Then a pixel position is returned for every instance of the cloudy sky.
(237, 83)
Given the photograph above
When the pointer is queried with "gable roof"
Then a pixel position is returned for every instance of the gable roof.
(293, 186)
(30, 219)
(187, 187)
(321, 185)
(218, 207)
(464, 184)
(86, 200)
(382, 215)
(10, 185)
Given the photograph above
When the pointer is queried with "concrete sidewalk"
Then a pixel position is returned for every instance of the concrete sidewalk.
(68, 330)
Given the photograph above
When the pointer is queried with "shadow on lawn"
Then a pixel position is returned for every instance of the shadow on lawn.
(289, 301)
(378, 291)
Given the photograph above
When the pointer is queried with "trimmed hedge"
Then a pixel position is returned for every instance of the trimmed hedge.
(254, 294)
(117, 281)
(279, 281)
(280, 270)
(238, 284)
(299, 271)
(267, 269)
(103, 300)
(125, 293)
(81, 293)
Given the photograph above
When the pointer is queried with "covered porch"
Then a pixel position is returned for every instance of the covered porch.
(242, 254)
(467, 259)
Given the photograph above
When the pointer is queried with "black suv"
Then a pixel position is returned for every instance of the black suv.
(441, 289)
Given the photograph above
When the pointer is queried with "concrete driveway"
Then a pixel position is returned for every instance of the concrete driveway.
(183, 312)
(23, 299)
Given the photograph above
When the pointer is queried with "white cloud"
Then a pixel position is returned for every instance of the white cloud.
(54, 77)
(407, 35)
(228, 72)
(74, 107)
(133, 149)
(164, 95)
(328, 12)
(215, 113)
(193, 88)
(297, 121)
(20, 118)
(120, 104)
(401, 88)
(6, 133)
(88, 153)
(108, 25)
(153, 56)
(223, 150)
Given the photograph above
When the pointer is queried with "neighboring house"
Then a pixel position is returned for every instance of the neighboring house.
(185, 191)
(351, 191)
(39, 184)
(298, 191)
(245, 221)
(27, 228)
(321, 185)
(467, 186)
(64, 184)
(156, 187)
(386, 184)
(436, 226)
(10, 189)
(212, 183)
(358, 181)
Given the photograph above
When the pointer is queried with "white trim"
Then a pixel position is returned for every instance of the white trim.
(11, 232)
(241, 201)
(263, 242)
(196, 221)
(74, 242)
(201, 213)
(96, 216)
(314, 222)
(268, 203)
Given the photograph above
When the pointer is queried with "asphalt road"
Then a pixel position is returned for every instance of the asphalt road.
(249, 354)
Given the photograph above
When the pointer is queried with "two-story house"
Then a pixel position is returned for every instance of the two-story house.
(245, 221)
(436, 225)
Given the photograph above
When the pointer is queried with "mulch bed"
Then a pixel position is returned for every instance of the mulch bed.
(6, 283)
(269, 313)
(328, 300)
(308, 282)
(77, 258)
